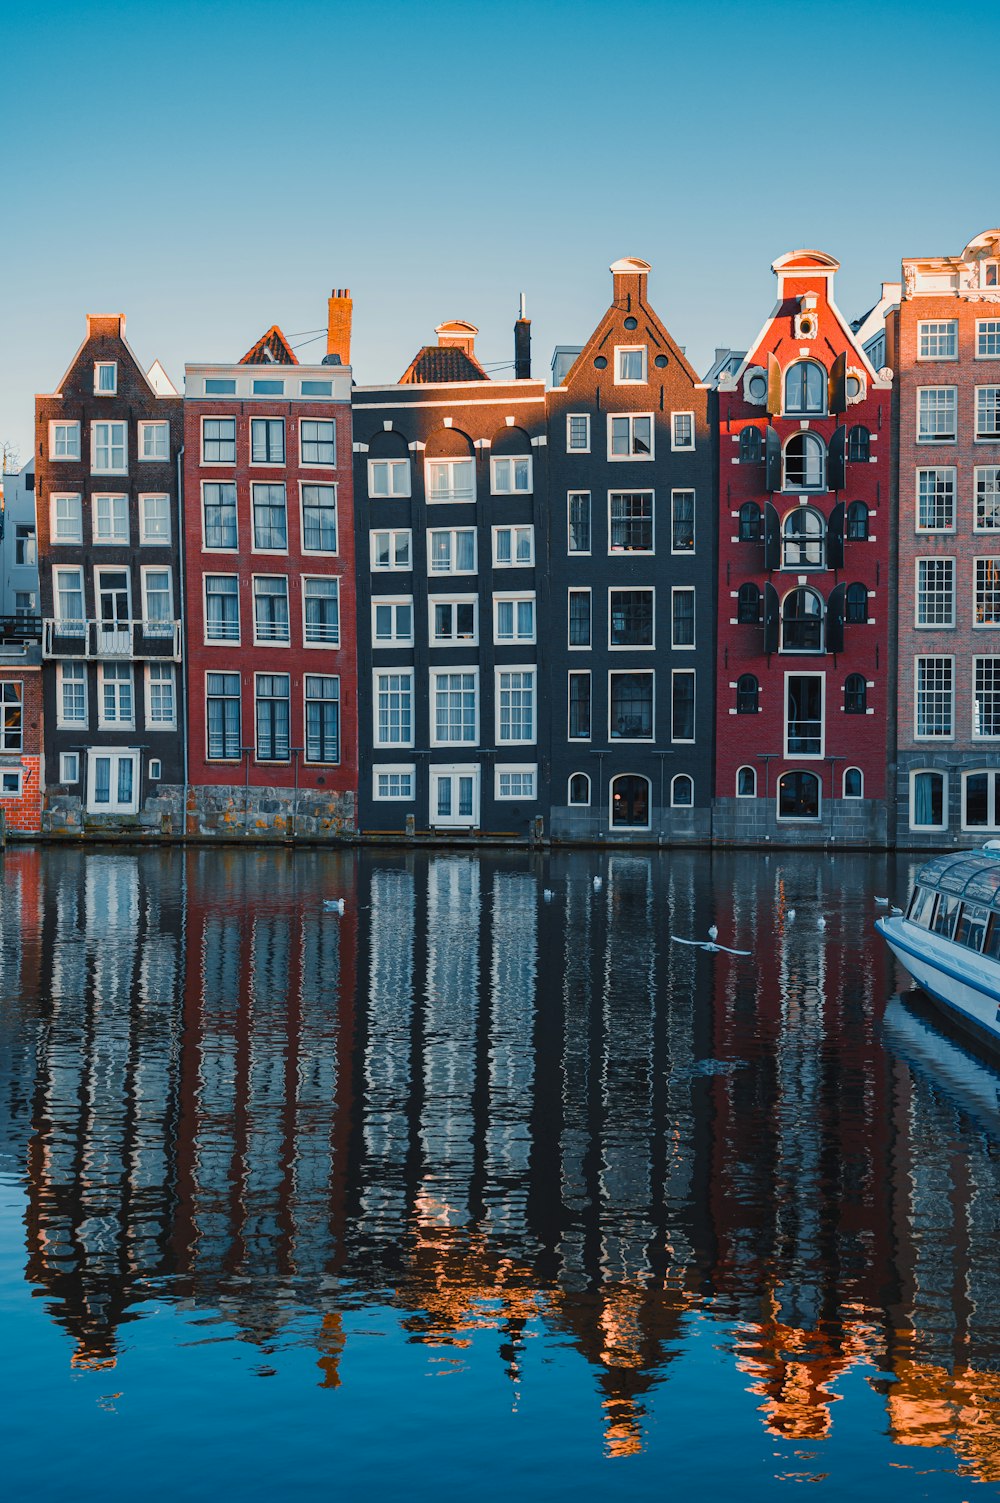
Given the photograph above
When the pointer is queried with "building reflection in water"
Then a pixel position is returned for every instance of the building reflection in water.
(496, 1113)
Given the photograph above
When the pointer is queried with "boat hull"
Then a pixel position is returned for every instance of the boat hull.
(966, 984)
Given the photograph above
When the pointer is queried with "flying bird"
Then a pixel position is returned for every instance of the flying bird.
(708, 944)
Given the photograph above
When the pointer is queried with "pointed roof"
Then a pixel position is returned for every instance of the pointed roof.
(437, 362)
(271, 348)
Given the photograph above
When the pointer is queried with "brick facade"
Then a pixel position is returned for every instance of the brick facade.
(22, 807)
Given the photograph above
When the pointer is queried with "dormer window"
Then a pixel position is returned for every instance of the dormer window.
(991, 274)
(630, 365)
(805, 388)
(105, 378)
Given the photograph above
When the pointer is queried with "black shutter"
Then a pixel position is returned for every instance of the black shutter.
(772, 460)
(837, 384)
(835, 620)
(772, 537)
(773, 385)
(772, 612)
(835, 537)
(836, 461)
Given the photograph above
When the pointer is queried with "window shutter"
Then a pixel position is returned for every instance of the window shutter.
(836, 461)
(772, 537)
(835, 620)
(772, 611)
(772, 460)
(837, 384)
(835, 537)
(773, 385)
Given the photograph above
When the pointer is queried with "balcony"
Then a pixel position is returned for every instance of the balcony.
(18, 631)
(128, 640)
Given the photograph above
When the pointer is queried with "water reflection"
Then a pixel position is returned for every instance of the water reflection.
(494, 1113)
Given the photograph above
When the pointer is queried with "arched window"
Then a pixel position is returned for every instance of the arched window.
(859, 444)
(749, 522)
(747, 694)
(855, 694)
(856, 605)
(630, 802)
(681, 791)
(746, 782)
(802, 622)
(803, 539)
(928, 800)
(579, 788)
(805, 388)
(751, 446)
(798, 795)
(857, 522)
(854, 783)
(748, 604)
(805, 463)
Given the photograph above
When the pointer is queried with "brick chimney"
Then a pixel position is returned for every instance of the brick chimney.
(338, 324)
(456, 334)
(629, 282)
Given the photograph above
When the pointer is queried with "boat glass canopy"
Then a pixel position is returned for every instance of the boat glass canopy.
(972, 875)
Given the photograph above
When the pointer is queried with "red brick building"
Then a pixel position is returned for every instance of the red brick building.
(269, 569)
(804, 465)
(20, 728)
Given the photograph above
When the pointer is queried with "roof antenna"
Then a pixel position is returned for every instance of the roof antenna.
(522, 314)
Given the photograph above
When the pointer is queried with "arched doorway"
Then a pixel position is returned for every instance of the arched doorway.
(630, 802)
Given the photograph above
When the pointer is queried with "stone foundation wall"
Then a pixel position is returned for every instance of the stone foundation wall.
(235, 813)
(669, 827)
(861, 823)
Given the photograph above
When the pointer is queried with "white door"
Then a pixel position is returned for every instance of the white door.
(454, 797)
(113, 608)
(113, 782)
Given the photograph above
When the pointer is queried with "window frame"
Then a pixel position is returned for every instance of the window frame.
(746, 767)
(943, 473)
(676, 447)
(926, 324)
(854, 797)
(800, 756)
(992, 435)
(145, 539)
(587, 646)
(514, 599)
(633, 456)
(393, 464)
(576, 803)
(393, 604)
(572, 417)
(212, 641)
(55, 426)
(453, 534)
(329, 643)
(572, 552)
(937, 438)
(992, 775)
(677, 491)
(513, 562)
(206, 546)
(450, 499)
(517, 769)
(810, 819)
(55, 541)
(117, 722)
(933, 737)
(392, 533)
(258, 640)
(218, 417)
(797, 488)
(622, 552)
(804, 411)
(531, 670)
(404, 672)
(980, 491)
(99, 367)
(152, 723)
(453, 601)
(68, 761)
(317, 464)
(985, 560)
(116, 540)
(224, 698)
(496, 460)
(580, 673)
(157, 626)
(260, 421)
(632, 589)
(146, 426)
(921, 595)
(72, 722)
(268, 485)
(978, 659)
(648, 673)
(394, 769)
(454, 670)
(987, 328)
(631, 349)
(681, 777)
(320, 485)
(110, 468)
(307, 700)
(259, 698)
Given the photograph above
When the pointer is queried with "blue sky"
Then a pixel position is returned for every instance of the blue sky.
(212, 168)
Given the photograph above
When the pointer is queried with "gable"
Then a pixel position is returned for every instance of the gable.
(271, 348)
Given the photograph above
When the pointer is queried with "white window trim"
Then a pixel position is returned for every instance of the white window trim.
(55, 458)
(57, 571)
(219, 417)
(105, 391)
(108, 423)
(498, 459)
(682, 740)
(971, 772)
(117, 724)
(986, 438)
(515, 767)
(514, 598)
(746, 767)
(981, 657)
(531, 668)
(942, 558)
(332, 645)
(392, 567)
(583, 673)
(684, 490)
(924, 323)
(144, 573)
(331, 485)
(220, 641)
(12, 772)
(257, 641)
(983, 532)
(450, 599)
(931, 442)
(634, 590)
(982, 558)
(271, 673)
(630, 457)
(937, 531)
(403, 769)
(61, 722)
(455, 770)
(580, 646)
(633, 490)
(514, 562)
(433, 675)
(945, 790)
(316, 464)
(577, 805)
(981, 324)
(925, 739)
(581, 552)
(854, 797)
(155, 770)
(790, 756)
(269, 464)
(272, 552)
(115, 541)
(394, 462)
(629, 349)
(116, 754)
(649, 800)
(586, 418)
(451, 573)
(675, 779)
(684, 590)
(674, 445)
(64, 758)
(628, 740)
(451, 460)
(277, 382)
(213, 548)
(392, 601)
(159, 725)
(54, 540)
(100, 570)
(404, 672)
(156, 542)
(798, 819)
(142, 458)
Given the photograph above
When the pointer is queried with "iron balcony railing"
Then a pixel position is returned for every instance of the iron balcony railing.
(17, 630)
(63, 638)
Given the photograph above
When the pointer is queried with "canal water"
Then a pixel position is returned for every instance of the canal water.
(486, 1188)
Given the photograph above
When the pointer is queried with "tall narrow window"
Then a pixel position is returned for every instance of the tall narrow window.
(219, 508)
(321, 602)
(805, 388)
(856, 605)
(157, 603)
(108, 449)
(935, 592)
(988, 413)
(319, 518)
(12, 718)
(935, 711)
(270, 518)
(857, 522)
(859, 444)
(803, 539)
(855, 694)
(682, 707)
(394, 708)
(273, 717)
(579, 618)
(802, 622)
(222, 608)
(682, 521)
(267, 441)
(747, 694)
(222, 706)
(318, 440)
(161, 710)
(748, 603)
(805, 463)
(750, 523)
(454, 706)
(631, 707)
(751, 446)
(515, 705)
(987, 608)
(270, 608)
(988, 498)
(578, 509)
(579, 706)
(937, 414)
(986, 697)
(322, 718)
(682, 610)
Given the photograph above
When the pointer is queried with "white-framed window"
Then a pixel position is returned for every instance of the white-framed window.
(986, 698)
(454, 706)
(67, 593)
(632, 618)
(805, 389)
(510, 475)
(630, 521)
(746, 782)
(268, 386)
(154, 441)
(453, 619)
(112, 782)
(218, 440)
(799, 795)
(935, 593)
(224, 741)
(928, 799)
(451, 550)
(272, 694)
(454, 800)
(270, 610)
(66, 518)
(69, 767)
(321, 610)
(937, 414)
(218, 508)
(630, 364)
(988, 414)
(11, 717)
(578, 522)
(319, 518)
(389, 478)
(630, 435)
(393, 707)
(934, 697)
(161, 698)
(71, 694)
(318, 442)
(116, 705)
(154, 520)
(682, 695)
(682, 430)
(222, 608)
(64, 440)
(853, 783)
(220, 386)
(394, 782)
(392, 621)
(269, 510)
(25, 549)
(682, 616)
(157, 602)
(109, 449)
(514, 618)
(155, 769)
(105, 378)
(578, 433)
(936, 500)
(981, 799)
(513, 547)
(267, 441)
(991, 274)
(682, 521)
(578, 618)
(631, 705)
(987, 486)
(392, 549)
(805, 714)
(578, 789)
(515, 706)
(988, 339)
(516, 780)
(681, 791)
(322, 705)
(804, 463)
(937, 339)
(987, 607)
(450, 479)
(110, 519)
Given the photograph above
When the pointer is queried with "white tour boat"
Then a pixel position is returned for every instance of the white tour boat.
(949, 937)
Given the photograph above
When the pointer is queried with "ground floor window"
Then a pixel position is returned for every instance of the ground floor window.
(746, 782)
(981, 800)
(394, 782)
(854, 783)
(928, 800)
(515, 782)
(222, 711)
(10, 782)
(579, 788)
(681, 792)
(113, 782)
(798, 795)
(454, 797)
(322, 718)
(630, 802)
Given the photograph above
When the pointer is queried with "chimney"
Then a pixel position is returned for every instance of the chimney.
(456, 334)
(338, 324)
(629, 282)
(522, 346)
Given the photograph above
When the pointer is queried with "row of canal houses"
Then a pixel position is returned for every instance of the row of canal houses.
(636, 604)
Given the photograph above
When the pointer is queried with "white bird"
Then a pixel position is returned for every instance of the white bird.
(882, 902)
(713, 932)
(790, 915)
(821, 922)
(896, 912)
(598, 883)
(709, 945)
(548, 894)
(334, 905)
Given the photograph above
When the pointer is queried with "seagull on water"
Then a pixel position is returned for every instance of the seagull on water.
(548, 894)
(598, 883)
(881, 902)
(334, 905)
